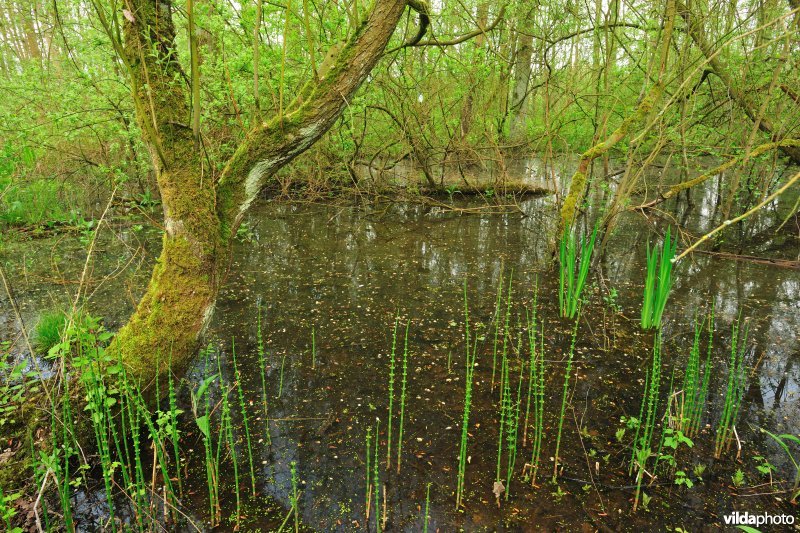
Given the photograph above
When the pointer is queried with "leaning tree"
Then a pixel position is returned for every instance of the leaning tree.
(202, 212)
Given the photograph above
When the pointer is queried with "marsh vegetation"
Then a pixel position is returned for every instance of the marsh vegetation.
(392, 266)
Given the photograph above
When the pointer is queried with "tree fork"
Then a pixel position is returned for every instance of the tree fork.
(201, 217)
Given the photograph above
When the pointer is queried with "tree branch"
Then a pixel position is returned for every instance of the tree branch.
(271, 145)
(680, 187)
(697, 34)
(457, 40)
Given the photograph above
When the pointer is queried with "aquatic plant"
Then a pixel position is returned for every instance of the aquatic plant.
(294, 500)
(227, 436)
(313, 347)
(97, 400)
(157, 433)
(469, 369)
(504, 415)
(536, 369)
(692, 398)
(403, 398)
(69, 447)
(376, 481)
(294, 497)
(513, 429)
(572, 275)
(687, 398)
(782, 442)
(645, 424)
(203, 423)
(658, 282)
(505, 395)
(530, 319)
(564, 393)
(536, 379)
(391, 393)
(427, 507)
(237, 376)
(367, 478)
(280, 379)
(496, 319)
(262, 364)
(173, 427)
(131, 408)
(507, 326)
(703, 396)
(48, 330)
(734, 392)
(7, 511)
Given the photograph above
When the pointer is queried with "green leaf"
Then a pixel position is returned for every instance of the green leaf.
(202, 423)
(789, 437)
(201, 390)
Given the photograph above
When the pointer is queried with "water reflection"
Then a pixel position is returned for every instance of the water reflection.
(346, 272)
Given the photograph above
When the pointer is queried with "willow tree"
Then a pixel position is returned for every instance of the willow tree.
(202, 212)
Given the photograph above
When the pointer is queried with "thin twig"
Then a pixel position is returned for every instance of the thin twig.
(741, 217)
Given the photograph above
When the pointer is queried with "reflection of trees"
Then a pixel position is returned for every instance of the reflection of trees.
(416, 260)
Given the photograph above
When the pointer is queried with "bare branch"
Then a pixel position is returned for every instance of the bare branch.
(451, 42)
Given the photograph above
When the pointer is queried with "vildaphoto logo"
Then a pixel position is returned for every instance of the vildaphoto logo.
(737, 518)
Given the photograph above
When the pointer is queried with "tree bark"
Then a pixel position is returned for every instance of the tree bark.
(522, 75)
(466, 109)
(200, 216)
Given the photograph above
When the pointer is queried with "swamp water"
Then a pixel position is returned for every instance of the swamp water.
(345, 272)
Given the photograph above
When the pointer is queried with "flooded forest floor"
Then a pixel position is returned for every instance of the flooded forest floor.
(309, 311)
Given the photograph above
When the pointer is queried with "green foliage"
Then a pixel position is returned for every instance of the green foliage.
(648, 415)
(376, 479)
(572, 275)
(536, 391)
(783, 441)
(658, 282)
(738, 478)
(427, 506)
(469, 365)
(403, 383)
(262, 367)
(48, 330)
(367, 477)
(681, 479)
(294, 499)
(734, 392)
(14, 387)
(692, 398)
(24, 201)
(245, 420)
(564, 394)
(391, 392)
(7, 511)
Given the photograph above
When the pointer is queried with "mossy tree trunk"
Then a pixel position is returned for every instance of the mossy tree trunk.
(201, 215)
